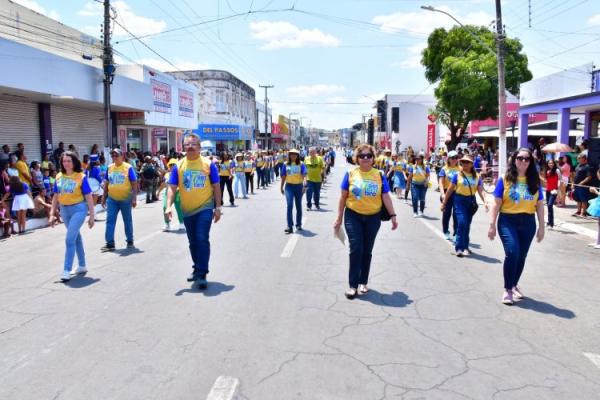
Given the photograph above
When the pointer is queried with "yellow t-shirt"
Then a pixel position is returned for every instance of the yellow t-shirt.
(294, 173)
(447, 173)
(248, 165)
(119, 181)
(24, 174)
(71, 189)
(465, 184)
(364, 191)
(239, 166)
(419, 173)
(225, 168)
(260, 162)
(516, 198)
(315, 166)
(195, 178)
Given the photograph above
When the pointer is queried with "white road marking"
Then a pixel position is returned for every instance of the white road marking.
(225, 388)
(576, 228)
(291, 244)
(438, 232)
(149, 236)
(594, 358)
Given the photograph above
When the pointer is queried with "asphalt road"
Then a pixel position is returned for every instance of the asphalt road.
(275, 318)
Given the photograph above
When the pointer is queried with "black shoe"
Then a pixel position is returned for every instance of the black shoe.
(309, 208)
(194, 276)
(107, 247)
(130, 244)
(289, 230)
(202, 282)
(298, 228)
(318, 208)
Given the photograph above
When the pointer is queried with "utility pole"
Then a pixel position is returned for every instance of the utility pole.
(109, 70)
(502, 156)
(266, 87)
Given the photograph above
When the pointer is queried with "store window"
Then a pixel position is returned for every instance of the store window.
(134, 139)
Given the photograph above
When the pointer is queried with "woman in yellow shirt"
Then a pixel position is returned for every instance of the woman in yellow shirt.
(365, 191)
(518, 197)
(226, 177)
(293, 176)
(74, 196)
(463, 186)
(418, 180)
(444, 181)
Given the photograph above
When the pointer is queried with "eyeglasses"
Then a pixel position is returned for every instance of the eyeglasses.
(191, 144)
(454, 158)
(365, 156)
(523, 159)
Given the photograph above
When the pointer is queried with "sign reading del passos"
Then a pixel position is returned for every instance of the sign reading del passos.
(162, 96)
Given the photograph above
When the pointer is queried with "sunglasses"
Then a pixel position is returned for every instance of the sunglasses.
(523, 159)
(191, 144)
(366, 156)
(454, 158)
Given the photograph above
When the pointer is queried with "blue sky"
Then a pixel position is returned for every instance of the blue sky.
(330, 51)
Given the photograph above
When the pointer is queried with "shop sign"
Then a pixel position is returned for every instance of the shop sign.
(430, 136)
(224, 132)
(186, 103)
(131, 118)
(161, 93)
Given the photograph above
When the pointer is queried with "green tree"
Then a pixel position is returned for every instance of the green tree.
(466, 75)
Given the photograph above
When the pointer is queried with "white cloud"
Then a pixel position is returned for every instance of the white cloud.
(162, 65)
(413, 59)
(594, 20)
(136, 24)
(314, 90)
(35, 6)
(424, 22)
(282, 35)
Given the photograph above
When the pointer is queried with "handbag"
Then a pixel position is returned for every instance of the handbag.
(384, 215)
(474, 205)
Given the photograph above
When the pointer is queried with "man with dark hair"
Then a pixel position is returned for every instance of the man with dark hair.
(58, 152)
(4, 155)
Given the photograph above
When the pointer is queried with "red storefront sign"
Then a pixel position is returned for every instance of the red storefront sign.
(131, 118)
(186, 103)
(430, 136)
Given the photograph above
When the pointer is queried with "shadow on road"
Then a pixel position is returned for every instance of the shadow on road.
(80, 282)
(306, 233)
(430, 218)
(127, 252)
(485, 259)
(214, 289)
(544, 308)
(396, 299)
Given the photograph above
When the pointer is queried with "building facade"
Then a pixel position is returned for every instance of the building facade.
(403, 121)
(227, 108)
(263, 127)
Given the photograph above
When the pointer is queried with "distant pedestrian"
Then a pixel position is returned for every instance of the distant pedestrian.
(226, 177)
(74, 196)
(365, 190)
(249, 168)
(444, 181)
(464, 185)
(594, 210)
(149, 174)
(177, 201)
(197, 180)
(581, 181)
(120, 195)
(418, 179)
(293, 179)
(552, 177)
(315, 174)
(240, 176)
(518, 197)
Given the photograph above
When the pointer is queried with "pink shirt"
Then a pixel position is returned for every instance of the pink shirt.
(565, 170)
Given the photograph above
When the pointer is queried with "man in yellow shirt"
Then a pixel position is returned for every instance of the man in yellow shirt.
(120, 194)
(21, 165)
(198, 182)
(316, 171)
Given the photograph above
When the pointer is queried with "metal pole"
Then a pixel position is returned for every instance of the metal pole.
(501, 88)
(266, 87)
(108, 68)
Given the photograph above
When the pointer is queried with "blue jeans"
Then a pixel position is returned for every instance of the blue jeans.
(260, 177)
(464, 217)
(550, 199)
(112, 212)
(198, 230)
(516, 232)
(417, 193)
(313, 192)
(240, 180)
(362, 231)
(448, 212)
(74, 217)
(293, 194)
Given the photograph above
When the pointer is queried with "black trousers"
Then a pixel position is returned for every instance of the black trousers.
(226, 181)
(249, 182)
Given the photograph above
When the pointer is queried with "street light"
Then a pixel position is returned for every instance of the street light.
(290, 123)
(501, 85)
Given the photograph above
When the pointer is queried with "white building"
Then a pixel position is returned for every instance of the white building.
(405, 118)
(48, 92)
(263, 128)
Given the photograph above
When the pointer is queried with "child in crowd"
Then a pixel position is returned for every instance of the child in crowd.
(41, 207)
(5, 220)
(21, 200)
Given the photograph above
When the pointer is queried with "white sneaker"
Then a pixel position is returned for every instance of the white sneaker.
(65, 276)
(80, 271)
(415, 215)
(447, 236)
(405, 201)
(593, 244)
(181, 227)
(420, 213)
(166, 228)
(597, 247)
